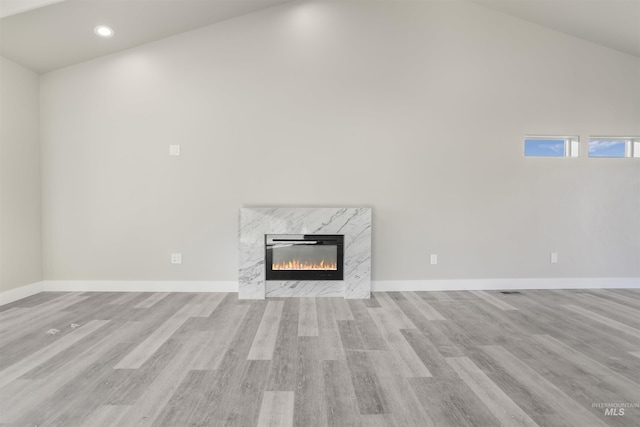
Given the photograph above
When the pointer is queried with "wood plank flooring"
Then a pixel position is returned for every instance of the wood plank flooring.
(480, 358)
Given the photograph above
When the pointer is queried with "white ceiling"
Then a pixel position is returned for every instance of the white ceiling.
(60, 33)
(610, 23)
(48, 34)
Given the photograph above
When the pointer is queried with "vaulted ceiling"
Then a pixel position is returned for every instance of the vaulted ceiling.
(610, 23)
(44, 35)
(60, 33)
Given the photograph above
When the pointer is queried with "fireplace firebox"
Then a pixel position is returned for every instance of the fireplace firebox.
(304, 256)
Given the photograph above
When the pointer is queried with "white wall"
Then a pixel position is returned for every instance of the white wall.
(20, 221)
(416, 110)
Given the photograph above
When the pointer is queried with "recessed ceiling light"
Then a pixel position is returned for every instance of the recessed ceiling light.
(103, 31)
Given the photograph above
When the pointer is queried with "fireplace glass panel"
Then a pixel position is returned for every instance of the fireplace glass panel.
(304, 257)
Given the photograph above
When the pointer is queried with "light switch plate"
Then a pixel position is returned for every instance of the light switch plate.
(554, 257)
(176, 258)
(174, 150)
(434, 259)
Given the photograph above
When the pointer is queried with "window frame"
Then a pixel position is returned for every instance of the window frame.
(571, 145)
(631, 146)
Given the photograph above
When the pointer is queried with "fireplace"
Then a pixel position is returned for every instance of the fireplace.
(353, 256)
(304, 256)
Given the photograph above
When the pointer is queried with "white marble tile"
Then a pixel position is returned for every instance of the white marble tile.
(307, 288)
(353, 223)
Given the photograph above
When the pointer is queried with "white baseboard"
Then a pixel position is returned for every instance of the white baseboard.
(138, 286)
(12, 295)
(16, 294)
(499, 284)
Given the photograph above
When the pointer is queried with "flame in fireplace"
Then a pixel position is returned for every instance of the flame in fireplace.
(300, 265)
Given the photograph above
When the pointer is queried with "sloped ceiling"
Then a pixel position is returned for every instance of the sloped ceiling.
(60, 34)
(44, 35)
(610, 23)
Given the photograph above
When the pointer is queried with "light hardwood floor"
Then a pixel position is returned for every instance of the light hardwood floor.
(478, 358)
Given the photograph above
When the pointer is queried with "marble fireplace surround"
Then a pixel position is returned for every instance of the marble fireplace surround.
(353, 223)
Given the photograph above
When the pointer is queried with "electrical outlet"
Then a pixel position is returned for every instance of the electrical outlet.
(176, 258)
(554, 257)
(174, 150)
(434, 259)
